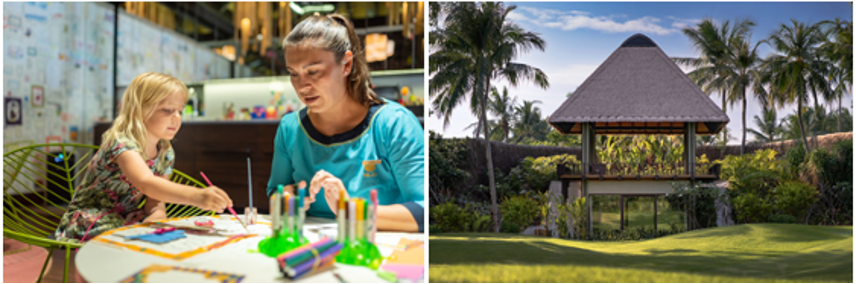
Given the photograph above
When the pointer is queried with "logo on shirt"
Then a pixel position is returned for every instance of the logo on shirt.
(370, 166)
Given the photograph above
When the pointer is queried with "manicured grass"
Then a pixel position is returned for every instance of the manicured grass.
(744, 253)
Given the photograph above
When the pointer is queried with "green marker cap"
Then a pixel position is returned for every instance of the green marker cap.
(279, 189)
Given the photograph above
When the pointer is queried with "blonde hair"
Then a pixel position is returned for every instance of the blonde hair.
(144, 93)
(336, 34)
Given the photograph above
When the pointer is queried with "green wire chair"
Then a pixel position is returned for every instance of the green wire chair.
(32, 213)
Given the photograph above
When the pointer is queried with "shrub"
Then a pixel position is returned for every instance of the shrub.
(449, 217)
(506, 185)
(446, 157)
(751, 208)
(519, 211)
(828, 168)
(794, 158)
(757, 172)
(794, 198)
(508, 227)
(536, 173)
(481, 222)
(783, 218)
(434, 229)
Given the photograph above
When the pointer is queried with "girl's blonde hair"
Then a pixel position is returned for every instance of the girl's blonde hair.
(336, 34)
(146, 91)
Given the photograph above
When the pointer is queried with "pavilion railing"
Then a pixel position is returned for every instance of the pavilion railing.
(637, 170)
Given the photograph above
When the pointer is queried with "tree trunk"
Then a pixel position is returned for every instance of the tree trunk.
(839, 114)
(743, 143)
(489, 157)
(817, 115)
(802, 128)
(725, 131)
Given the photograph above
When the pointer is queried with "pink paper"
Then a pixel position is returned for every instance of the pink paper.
(405, 271)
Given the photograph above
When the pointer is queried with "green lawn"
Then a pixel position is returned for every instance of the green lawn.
(744, 253)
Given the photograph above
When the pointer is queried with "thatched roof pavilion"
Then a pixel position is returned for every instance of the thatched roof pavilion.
(637, 90)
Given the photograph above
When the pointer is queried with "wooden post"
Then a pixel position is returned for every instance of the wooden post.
(689, 148)
(656, 197)
(622, 212)
(588, 145)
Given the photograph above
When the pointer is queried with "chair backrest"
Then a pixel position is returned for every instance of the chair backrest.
(39, 180)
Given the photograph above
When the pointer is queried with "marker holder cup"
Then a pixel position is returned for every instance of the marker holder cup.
(251, 216)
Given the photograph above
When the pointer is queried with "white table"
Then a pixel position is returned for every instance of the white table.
(102, 262)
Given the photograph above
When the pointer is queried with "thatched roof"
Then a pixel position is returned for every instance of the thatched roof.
(638, 90)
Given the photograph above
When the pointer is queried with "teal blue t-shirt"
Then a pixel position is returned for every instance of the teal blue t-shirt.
(384, 152)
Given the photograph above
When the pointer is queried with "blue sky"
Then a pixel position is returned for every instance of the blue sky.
(580, 36)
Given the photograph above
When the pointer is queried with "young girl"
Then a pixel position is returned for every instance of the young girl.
(346, 138)
(135, 161)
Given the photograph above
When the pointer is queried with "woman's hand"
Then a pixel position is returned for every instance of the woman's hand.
(307, 200)
(332, 185)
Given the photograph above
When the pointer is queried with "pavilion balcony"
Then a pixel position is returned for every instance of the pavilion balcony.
(639, 171)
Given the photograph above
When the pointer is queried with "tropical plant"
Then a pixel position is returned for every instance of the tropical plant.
(715, 68)
(472, 45)
(768, 126)
(528, 123)
(838, 49)
(796, 68)
(555, 138)
(503, 107)
(816, 121)
(745, 73)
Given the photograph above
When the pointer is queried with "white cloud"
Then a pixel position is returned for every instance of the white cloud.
(617, 23)
(680, 23)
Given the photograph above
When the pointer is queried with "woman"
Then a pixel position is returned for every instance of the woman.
(346, 138)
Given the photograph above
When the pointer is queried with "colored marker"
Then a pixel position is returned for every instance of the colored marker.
(361, 211)
(301, 211)
(289, 221)
(276, 210)
(369, 223)
(352, 225)
(373, 195)
(291, 211)
(340, 218)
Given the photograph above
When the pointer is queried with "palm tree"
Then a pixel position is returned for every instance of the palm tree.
(528, 122)
(816, 121)
(715, 68)
(796, 68)
(503, 106)
(495, 131)
(838, 49)
(471, 46)
(768, 126)
(743, 71)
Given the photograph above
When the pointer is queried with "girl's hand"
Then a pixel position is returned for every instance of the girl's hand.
(212, 199)
(332, 185)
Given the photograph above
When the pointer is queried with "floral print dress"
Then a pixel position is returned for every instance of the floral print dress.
(105, 197)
